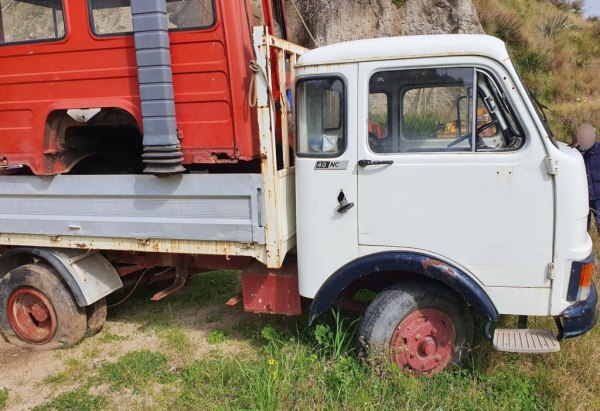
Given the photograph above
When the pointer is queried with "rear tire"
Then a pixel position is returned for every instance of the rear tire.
(38, 311)
(96, 317)
(423, 327)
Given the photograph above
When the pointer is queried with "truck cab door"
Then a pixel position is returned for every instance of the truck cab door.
(446, 167)
(325, 173)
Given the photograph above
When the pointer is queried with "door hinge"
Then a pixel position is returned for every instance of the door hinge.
(550, 271)
(551, 166)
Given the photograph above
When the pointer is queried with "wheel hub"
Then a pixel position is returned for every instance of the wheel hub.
(31, 316)
(423, 342)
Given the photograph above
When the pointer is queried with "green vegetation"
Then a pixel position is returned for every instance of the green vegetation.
(74, 371)
(136, 370)
(421, 126)
(77, 400)
(282, 363)
(217, 337)
(108, 338)
(3, 398)
(295, 367)
(556, 51)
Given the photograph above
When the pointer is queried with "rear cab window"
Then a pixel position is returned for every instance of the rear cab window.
(113, 17)
(321, 117)
(31, 21)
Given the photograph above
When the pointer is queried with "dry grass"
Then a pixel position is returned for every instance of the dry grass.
(556, 51)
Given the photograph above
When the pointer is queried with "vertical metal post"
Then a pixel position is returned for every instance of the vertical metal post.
(285, 142)
(268, 148)
(474, 119)
(293, 62)
(162, 154)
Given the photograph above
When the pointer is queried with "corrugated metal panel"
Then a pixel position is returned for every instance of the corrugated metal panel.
(190, 207)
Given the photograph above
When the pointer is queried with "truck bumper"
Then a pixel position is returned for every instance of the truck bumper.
(580, 317)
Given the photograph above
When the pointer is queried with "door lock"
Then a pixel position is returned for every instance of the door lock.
(344, 204)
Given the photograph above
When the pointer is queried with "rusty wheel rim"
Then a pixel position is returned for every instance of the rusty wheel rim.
(423, 342)
(31, 316)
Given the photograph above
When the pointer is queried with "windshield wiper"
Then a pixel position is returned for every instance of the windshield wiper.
(541, 109)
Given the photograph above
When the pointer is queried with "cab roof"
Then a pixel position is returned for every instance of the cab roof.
(406, 47)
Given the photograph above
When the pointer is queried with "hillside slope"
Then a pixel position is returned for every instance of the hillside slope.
(557, 52)
(556, 49)
(333, 21)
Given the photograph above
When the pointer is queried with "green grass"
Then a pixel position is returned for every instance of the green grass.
(3, 398)
(106, 337)
(300, 368)
(217, 337)
(136, 370)
(285, 364)
(76, 400)
(74, 370)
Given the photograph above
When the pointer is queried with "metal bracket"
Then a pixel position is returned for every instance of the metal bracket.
(551, 166)
(550, 271)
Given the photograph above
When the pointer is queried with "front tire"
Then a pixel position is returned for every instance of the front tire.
(38, 311)
(423, 327)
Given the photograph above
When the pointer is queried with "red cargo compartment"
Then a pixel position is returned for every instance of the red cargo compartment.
(41, 80)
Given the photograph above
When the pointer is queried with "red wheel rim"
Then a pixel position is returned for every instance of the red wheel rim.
(423, 343)
(31, 316)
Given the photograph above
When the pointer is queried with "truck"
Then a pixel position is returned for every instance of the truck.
(411, 178)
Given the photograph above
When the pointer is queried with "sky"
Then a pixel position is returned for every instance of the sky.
(592, 7)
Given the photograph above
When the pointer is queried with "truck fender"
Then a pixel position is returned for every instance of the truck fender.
(89, 275)
(407, 262)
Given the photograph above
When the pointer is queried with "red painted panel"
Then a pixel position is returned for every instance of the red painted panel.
(211, 79)
(272, 291)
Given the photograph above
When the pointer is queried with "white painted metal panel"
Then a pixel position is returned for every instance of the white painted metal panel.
(492, 212)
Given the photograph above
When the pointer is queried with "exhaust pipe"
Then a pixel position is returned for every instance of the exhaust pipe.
(162, 150)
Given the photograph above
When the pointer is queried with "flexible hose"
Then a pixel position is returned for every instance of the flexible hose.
(135, 286)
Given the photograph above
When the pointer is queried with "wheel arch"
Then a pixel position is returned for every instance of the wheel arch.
(404, 265)
(89, 275)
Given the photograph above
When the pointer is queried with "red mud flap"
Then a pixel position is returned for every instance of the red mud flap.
(268, 291)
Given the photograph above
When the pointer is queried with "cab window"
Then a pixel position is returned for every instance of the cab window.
(379, 116)
(114, 16)
(321, 117)
(441, 110)
(278, 19)
(32, 20)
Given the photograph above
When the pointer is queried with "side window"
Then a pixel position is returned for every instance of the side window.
(437, 113)
(379, 116)
(321, 117)
(279, 19)
(440, 110)
(435, 110)
(497, 126)
(32, 20)
(114, 16)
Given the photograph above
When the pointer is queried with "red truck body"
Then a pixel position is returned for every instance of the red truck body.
(41, 80)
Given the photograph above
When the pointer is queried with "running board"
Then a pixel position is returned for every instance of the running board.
(526, 341)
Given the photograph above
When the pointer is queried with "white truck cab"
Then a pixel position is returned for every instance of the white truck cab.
(425, 158)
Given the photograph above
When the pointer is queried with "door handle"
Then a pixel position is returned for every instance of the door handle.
(365, 163)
